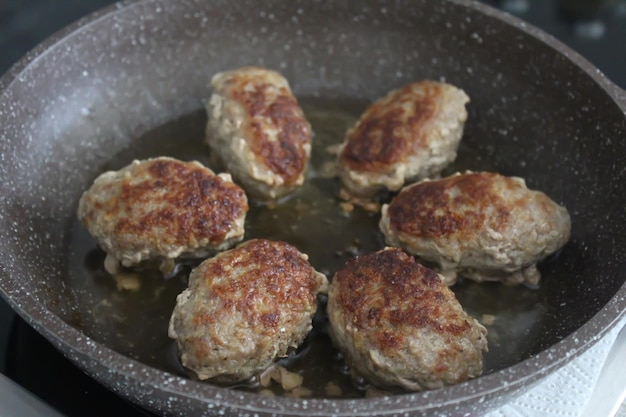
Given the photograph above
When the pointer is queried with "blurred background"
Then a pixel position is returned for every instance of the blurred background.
(594, 28)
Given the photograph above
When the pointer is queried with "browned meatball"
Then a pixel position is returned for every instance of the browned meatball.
(258, 130)
(411, 133)
(398, 324)
(482, 225)
(245, 308)
(161, 209)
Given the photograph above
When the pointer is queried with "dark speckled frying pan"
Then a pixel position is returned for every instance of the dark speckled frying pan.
(131, 81)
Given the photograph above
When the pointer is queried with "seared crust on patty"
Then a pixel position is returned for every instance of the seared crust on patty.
(161, 209)
(398, 324)
(482, 225)
(411, 133)
(259, 131)
(244, 308)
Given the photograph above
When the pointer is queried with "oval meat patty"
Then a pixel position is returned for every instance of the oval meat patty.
(161, 209)
(411, 133)
(398, 324)
(244, 308)
(258, 130)
(483, 226)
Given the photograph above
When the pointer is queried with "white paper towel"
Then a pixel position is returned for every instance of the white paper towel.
(566, 392)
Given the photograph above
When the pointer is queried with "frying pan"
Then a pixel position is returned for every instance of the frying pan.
(130, 82)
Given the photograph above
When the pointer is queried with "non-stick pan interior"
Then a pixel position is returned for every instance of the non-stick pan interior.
(132, 83)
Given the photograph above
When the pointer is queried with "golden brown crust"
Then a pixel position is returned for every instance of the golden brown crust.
(274, 107)
(458, 205)
(384, 291)
(480, 225)
(181, 202)
(398, 324)
(244, 308)
(274, 282)
(391, 128)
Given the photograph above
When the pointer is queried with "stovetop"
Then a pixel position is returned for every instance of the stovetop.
(27, 358)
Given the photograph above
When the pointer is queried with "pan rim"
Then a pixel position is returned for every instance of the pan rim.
(617, 93)
(38, 316)
(489, 385)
